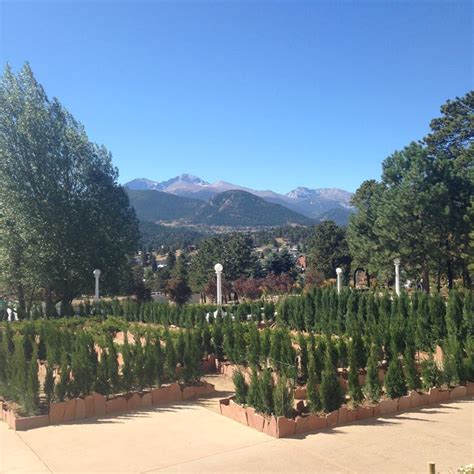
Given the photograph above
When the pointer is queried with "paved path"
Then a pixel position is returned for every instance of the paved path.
(192, 437)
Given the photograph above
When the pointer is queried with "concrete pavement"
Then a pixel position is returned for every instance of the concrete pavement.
(192, 437)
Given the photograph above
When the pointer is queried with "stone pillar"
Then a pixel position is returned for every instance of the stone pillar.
(339, 279)
(396, 262)
(97, 276)
(218, 268)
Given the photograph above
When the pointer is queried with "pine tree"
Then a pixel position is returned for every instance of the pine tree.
(265, 392)
(430, 374)
(253, 347)
(265, 344)
(217, 339)
(330, 391)
(150, 365)
(395, 384)
(372, 387)
(127, 365)
(303, 353)
(253, 391)
(180, 345)
(453, 361)
(19, 367)
(411, 374)
(240, 386)
(113, 366)
(239, 343)
(354, 389)
(62, 387)
(49, 384)
(314, 401)
(283, 398)
(31, 398)
(454, 315)
(102, 382)
(170, 358)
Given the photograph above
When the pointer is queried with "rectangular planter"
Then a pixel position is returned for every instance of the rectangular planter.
(31, 422)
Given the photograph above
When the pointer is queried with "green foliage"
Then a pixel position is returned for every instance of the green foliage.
(127, 365)
(372, 386)
(431, 376)
(354, 389)
(411, 374)
(49, 384)
(240, 387)
(31, 396)
(330, 391)
(303, 353)
(265, 393)
(62, 387)
(283, 398)
(314, 401)
(395, 383)
(253, 347)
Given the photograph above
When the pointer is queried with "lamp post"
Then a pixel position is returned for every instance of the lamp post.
(97, 276)
(218, 268)
(396, 262)
(339, 279)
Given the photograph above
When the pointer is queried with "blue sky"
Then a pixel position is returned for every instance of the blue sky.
(266, 94)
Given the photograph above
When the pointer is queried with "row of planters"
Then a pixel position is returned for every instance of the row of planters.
(303, 422)
(270, 394)
(96, 405)
(45, 362)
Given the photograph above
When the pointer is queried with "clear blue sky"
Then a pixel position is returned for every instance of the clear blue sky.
(266, 94)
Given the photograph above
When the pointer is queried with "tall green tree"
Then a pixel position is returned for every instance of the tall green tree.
(62, 212)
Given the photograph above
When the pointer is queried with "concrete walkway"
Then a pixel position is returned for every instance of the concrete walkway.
(192, 437)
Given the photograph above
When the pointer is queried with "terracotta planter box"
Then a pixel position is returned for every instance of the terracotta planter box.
(332, 418)
(100, 407)
(116, 405)
(133, 401)
(300, 393)
(254, 419)
(302, 424)
(80, 409)
(199, 390)
(56, 413)
(224, 406)
(364, 413)
(443, 396)
(388, 407)
(31, 422)
(70, 411)
(458, 392)
(89, 402)
(11, 419)
(419, 399)
(285, 426)
(209, 388)
(159, 395)
(346, 415)
(146, 400)
(188, 392)
(174, 393)
(270, 428)
(404, 403)
(470, 388)
(317, 422)
(433, 395)
(237, 413)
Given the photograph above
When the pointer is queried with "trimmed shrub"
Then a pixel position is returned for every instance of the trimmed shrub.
(395, 383)
(330, 391)
(240, 386)
(283, 398)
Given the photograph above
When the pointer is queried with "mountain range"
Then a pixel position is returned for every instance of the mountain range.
(191, 200)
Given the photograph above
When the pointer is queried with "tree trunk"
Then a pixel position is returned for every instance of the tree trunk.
(449, 272)
(466, 276)
(438, 278)
(48, 299)
(426, 279)
(21, 311)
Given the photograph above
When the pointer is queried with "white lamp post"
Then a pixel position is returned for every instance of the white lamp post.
(218, 268)
(339, 279)
(396, 262)
(97, 276)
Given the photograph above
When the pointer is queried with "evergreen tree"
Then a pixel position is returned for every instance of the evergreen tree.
(150, 365)
(411, 374)
(395, 383)
(180, 346)
(314, 401)
(170, 358)
(127, 365)
(265, 392)
(265, 344)
(430, 374)
(62, 387)
(253, 398)
(113, 366)
(283, 398)
(372, 387)
(354, 389)
(217, 339)
(453, 361)
(253, 348)
(330, 391)
(102, 382)
(49, 384)
(240, 386)
(454, 315)
(31, 399)
(303, 358)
